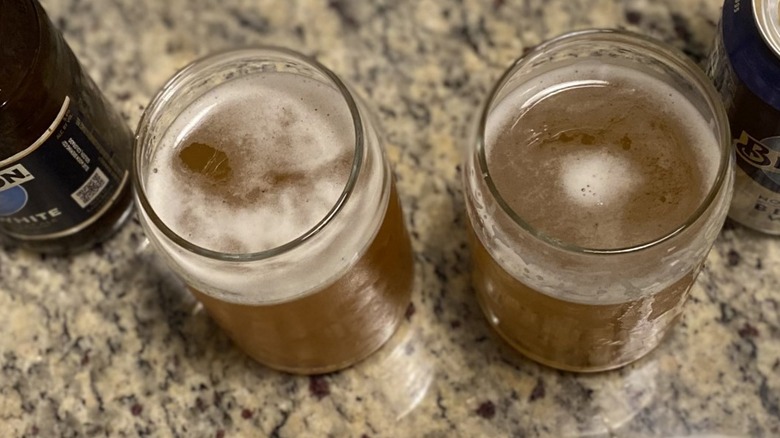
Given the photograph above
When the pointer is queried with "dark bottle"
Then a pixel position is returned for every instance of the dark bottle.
(64, 151)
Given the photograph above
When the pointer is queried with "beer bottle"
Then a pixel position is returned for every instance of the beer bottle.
(64, 152)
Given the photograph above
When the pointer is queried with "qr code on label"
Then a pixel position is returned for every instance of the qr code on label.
(90, 190)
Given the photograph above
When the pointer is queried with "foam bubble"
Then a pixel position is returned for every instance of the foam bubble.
(595, 178)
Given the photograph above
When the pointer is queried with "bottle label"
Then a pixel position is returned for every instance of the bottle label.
(60, 184)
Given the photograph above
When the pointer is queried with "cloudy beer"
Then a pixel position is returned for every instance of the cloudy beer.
(596, 190)
(266, 189)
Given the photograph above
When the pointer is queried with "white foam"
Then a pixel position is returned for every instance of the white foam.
(268, 124)
(324, 257)
(596, 178)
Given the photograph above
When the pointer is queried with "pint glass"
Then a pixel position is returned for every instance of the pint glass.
(262, 182)
(599, 177)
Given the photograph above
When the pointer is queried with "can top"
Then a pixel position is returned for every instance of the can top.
(767, 16)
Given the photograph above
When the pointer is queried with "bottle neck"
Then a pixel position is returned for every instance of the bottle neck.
(34, 74)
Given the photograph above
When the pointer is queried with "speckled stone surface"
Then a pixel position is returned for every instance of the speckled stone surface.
(108, 343)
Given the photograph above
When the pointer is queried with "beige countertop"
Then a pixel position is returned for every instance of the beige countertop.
(108, 343)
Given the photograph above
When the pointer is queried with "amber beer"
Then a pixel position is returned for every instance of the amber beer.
(264, 185)
(600, 180)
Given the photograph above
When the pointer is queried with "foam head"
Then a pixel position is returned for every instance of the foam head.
(600, 156)
(597, 178)
(253, 163)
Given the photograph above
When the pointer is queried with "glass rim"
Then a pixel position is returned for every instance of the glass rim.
(172, 86)
(661, 51)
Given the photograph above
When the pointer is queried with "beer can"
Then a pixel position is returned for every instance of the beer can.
(745, 67)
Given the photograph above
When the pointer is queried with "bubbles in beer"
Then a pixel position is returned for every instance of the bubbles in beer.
(597, 179)
(600, 156)
(254, 163)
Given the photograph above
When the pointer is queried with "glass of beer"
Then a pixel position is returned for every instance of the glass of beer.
(598, 179)
(261, 180)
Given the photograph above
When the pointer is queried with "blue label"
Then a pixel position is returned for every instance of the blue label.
(12, 200)
(59, 184)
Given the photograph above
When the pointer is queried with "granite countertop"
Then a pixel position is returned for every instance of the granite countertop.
(108, 343)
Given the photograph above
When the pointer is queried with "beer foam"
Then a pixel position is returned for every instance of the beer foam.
(595, 179)
(288, 144)
(592, 73)
(616, 157)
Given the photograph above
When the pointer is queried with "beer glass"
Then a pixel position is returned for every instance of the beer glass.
(261, 180)
(597, 181)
